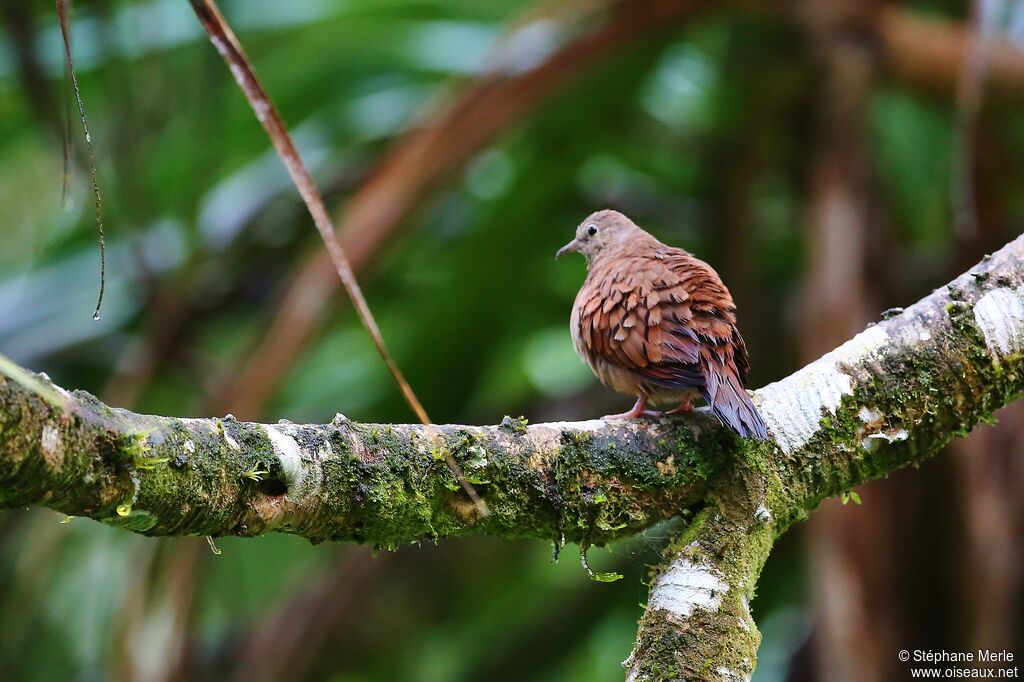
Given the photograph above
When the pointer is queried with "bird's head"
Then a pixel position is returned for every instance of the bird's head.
(600, 232)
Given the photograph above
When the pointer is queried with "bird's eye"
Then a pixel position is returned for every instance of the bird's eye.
(591, 230)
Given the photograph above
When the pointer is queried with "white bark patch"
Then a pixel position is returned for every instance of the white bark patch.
(874, 432)
(1000, 316)
(53, 450)
(793, 406)
(551, 432)
(871, 441)
(231, 441)
(63, 391)
(869, 415)
(731, 675)
(763, 514)
(589, 425)
(190, 446)
(746, 620)
(546, 439)
(136, 486)
(890, 436)
(290, 454)
(686, 586)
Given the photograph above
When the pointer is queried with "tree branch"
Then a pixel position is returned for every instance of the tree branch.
(891, 396)
(380, 483)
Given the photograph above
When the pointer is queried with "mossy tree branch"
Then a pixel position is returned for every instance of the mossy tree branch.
(380, 483)
(891, 396)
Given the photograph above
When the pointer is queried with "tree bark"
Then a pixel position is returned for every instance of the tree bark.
(890, 397)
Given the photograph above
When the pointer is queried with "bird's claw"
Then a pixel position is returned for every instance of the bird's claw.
(684, 407)
(637, 412)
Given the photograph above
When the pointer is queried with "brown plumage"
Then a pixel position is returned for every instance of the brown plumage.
(657, 322)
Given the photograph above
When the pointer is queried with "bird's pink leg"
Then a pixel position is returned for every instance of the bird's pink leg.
(684, 406)
(635, 413)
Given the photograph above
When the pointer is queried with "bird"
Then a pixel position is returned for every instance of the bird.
(656, 322)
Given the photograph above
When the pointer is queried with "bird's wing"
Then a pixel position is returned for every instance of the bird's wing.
(710, 318)
(652, 315)
(740, 355)
(668, 318)
(723, 354)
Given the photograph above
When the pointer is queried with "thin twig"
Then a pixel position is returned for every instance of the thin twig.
(449, 136)
(62, 8)
(223, 38)
(65, 145)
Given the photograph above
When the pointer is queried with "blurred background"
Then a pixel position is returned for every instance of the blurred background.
(831, 158)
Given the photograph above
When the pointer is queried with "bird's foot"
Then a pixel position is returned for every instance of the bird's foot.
(685, 406)
(635, 413)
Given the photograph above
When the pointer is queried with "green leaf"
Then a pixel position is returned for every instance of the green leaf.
(606, 577)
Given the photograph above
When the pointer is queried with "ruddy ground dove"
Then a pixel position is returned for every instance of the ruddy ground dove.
(657, 322)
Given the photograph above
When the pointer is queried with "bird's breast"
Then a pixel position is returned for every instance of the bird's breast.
(613, 376)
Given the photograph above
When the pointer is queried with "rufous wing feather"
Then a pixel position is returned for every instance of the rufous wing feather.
(667, 319)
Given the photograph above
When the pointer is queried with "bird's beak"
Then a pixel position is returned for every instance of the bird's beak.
(571, 247)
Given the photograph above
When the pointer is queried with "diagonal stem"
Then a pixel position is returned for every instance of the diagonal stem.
(62, 18)
(223, 38)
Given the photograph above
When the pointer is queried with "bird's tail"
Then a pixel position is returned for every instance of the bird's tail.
(730, 403)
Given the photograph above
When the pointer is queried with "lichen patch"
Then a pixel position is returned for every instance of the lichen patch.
(231, 441)
(53, 450)
(731, 675)
(290, 455)
(871, 441)
(999, 315)
(870, 416)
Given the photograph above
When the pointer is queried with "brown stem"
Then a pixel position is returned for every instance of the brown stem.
(451, 135)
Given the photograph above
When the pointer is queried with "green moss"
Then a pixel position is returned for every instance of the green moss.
(255, 473)
(940, 391)
(718, 538)
(515, 425)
